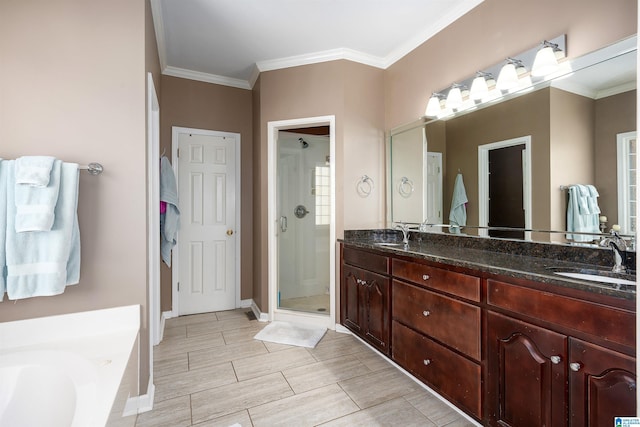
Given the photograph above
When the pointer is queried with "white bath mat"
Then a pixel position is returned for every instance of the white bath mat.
(291, 334)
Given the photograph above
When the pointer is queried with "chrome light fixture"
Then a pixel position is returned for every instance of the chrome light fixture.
(546, 61)
(509, 74)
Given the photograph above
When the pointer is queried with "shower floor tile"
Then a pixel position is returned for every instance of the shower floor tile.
(311, 304)
(209, 372)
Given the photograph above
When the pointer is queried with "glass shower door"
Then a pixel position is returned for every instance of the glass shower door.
(303, 222)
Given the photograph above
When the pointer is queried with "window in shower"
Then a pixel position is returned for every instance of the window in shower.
(321, 191)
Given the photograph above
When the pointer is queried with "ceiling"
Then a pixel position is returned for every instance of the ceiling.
(230, 42)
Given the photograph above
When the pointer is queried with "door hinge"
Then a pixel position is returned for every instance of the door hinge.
(178, 286)
(178, 152)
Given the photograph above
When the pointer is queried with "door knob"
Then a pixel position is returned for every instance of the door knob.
(229, 232)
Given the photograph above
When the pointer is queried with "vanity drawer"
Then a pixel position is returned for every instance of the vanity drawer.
(367, 260)
(454, 323)
(452, 375)
(459, 284)
(612, 324)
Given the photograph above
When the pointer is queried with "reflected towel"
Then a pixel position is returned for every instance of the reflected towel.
(34, 170)
(592, 199)
(42, 263)
(170, 220)
(458, 213)
(578, 222)
(35, 204)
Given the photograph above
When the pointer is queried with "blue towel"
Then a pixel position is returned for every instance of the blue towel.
(582, 197)
(170, 220)
(577, 221)
(35, 204)
(42, 263)
(592, 199)
(458, 213)
(4, 167)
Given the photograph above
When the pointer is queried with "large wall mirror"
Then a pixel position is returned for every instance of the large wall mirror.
(578, 128)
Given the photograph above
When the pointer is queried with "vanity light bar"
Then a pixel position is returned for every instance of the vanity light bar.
(522, 63)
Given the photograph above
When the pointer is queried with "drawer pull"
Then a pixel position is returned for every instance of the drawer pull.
(575, 366)
(425, 277)
(426, 362)
(426, 313)
(556, 360)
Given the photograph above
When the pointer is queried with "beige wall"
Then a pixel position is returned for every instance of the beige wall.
(353, 93)
(193, 104)
(492, 31)
(72, 85)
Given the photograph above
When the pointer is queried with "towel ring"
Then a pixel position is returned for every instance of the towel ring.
(406, 187)
(364, 187)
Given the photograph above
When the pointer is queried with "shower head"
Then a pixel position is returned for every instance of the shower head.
(304, 143)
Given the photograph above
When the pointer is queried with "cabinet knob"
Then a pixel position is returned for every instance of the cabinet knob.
(426, 362)
(426, 313)
(575, 366)
(556, 360)
(425, 277)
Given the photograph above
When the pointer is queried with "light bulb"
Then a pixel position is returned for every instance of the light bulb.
(545, 62)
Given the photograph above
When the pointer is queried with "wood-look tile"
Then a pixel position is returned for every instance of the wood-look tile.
(396, 412)
(306, 409)
(228, 399)
(219, 326)
(175, 413)
(255, 366)
(223, 354)
(170, 365)
(195, 380)
(320, 374)
(190, 319)
(378, 387)
(340, 346)
(432, 407)
(274, 347)
(175, 332)
(241, 418)
(242, 334)
(229, 314)
(174, 347)
(373, 360)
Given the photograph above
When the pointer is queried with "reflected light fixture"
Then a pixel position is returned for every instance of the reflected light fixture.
(480, 86)
(509, 74)
(434, 107)
(454, 98)
(546, 61)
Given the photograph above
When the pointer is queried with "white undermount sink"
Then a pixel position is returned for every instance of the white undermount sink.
(596, 278)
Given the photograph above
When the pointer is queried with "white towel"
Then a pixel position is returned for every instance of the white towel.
(35, 204)
(4, 167)
(33, 170)
(169, 221)
(42, 263)
(458, 213)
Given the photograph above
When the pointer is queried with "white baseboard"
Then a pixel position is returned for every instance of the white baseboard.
(140, 404)
(246, 303)
(341, 329)
(163, 318)
(262, 317)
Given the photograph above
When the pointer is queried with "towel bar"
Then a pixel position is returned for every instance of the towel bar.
(92, 168)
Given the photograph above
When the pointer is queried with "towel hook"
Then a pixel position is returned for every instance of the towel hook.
(364, 187)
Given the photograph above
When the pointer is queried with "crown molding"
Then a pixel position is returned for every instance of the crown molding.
(318, 57)
(206, 77)
(158, 25)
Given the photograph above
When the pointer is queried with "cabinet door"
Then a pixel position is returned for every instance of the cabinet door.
(377, 310)
(602, 385)
(526, 374)
(351, 311)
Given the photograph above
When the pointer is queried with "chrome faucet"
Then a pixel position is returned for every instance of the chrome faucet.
(404, 227)
(617, 245)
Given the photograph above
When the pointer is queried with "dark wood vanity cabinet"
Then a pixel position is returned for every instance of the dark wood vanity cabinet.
(509, 352)
(365, 297)
(542, 375)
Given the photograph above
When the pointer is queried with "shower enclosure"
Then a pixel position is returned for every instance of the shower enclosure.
(303, 212)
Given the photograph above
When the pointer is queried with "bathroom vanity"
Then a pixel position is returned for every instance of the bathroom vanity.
(499, 335)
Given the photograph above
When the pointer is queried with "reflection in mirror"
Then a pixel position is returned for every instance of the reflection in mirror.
(581, 128)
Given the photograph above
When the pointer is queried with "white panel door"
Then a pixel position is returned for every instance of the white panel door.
(206, 186)
(433, 208)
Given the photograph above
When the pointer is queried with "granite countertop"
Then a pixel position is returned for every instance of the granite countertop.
(536, 268)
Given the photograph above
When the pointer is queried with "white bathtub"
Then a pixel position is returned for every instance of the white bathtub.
(64, 370)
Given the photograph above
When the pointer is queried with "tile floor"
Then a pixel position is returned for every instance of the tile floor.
(312, 304)
(209, 371)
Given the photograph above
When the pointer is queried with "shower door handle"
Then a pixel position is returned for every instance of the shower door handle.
(283, 223)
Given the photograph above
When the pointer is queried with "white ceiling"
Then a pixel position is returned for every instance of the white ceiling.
(230, 41)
